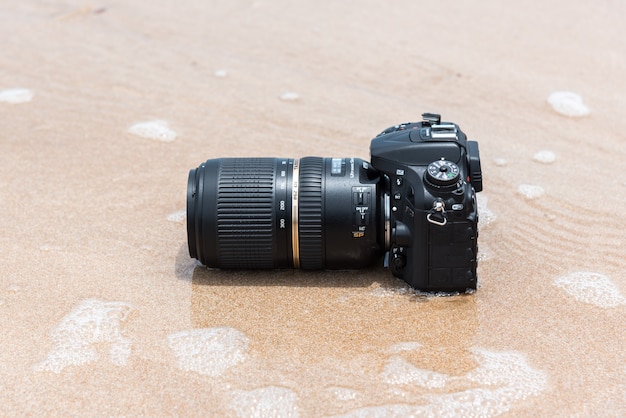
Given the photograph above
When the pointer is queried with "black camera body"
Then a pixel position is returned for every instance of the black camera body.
(434, 173)
(415, 202)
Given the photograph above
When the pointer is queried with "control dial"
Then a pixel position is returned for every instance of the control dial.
(443, 173)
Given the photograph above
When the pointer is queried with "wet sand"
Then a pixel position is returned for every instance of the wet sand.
(106, 106)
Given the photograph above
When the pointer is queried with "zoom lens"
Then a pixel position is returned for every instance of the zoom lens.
(312, 213)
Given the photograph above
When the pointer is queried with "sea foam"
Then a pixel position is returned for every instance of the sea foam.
(81, 332)
(501, 162)
(568, 103)
(289, 96)
(343, 393)
(530, 191)
(271, 401)
(155, 129)
(593, 288)
(178, 216)
(209, 351)
(404, 346)
(16, 95)
(399, 371)
(545, 156)
(486, 216)
(501, 380)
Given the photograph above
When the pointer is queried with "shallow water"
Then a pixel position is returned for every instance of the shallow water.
(106, 108)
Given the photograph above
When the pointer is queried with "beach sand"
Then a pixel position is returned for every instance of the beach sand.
(105, 106)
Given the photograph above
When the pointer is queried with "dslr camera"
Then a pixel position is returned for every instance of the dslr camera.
(414, 202)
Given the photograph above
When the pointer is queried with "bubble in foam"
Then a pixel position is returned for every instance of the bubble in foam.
(568, 103)
(484, 252)
(530, 191)
(398, 371)
(404, 346)
(343, 394)
(80, 334)
(156, 129)
(178, 216)
(400, 290)
(501, 380)
(486, 216)
(209, 351)
(271, 401)
(593, 288)
(49, 247)
(15, 96)
(289, 96)
(545, 156)
(501, 162)
(15, 288)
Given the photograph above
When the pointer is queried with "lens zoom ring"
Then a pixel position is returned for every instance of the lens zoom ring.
(244, 213)
(311, 214)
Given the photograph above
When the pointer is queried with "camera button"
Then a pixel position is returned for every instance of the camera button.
(361, 195)
(398, 262)
(397, 196)
(361, 218)
(399, 181)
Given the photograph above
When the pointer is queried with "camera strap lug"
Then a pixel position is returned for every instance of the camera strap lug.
(437, 215)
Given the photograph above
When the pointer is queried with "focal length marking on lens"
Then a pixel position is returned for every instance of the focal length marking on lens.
(295, 238)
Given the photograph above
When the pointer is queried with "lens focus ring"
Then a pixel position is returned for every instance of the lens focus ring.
(244, 213)
(311, 214)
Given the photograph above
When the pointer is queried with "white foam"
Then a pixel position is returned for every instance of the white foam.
(501, 162)
(398, 371)
(485, 215)
(384, 292)
(483, 253)
(568, 103)
(289, 96)
(15, 288)
(178, 216)
(271, 401)
(221, 73)
(78, 336)
(343, 394)
(209, 351)
(504, 378)
(155, 129)
(501, 380)
(545, 156)
(530, 191)
(16, 95)
(593, 288)
(404, 346)
(49, 247)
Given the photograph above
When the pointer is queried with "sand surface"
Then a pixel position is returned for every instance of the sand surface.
(105, 106)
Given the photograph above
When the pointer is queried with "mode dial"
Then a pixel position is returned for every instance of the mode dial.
(443, 173)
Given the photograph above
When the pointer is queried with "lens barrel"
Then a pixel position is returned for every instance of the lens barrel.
(312, 213)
